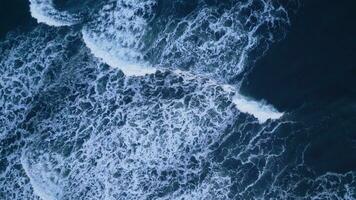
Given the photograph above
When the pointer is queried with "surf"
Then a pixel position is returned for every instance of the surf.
(45, 12)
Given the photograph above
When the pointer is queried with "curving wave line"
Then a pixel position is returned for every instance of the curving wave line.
(129, 68)
(116, 40)
(41, 181)
(44, 12)
(117, 37)
(259, 109)
(121, 136)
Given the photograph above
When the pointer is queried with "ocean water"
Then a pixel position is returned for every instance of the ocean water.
(177, 99)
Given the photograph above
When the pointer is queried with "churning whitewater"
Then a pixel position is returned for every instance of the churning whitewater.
(133, 99)
(119, 34)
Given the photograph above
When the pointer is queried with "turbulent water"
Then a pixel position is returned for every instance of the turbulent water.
(134, 99)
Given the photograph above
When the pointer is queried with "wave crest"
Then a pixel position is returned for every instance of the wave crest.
(45, 12)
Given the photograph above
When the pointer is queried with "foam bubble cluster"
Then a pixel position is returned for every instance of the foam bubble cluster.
(72, 126)
(205, 38)
(28, 64)
(45, 12)
(151, 133)
(117, 32)
(208, 39)
(138, 145)
(213, 38)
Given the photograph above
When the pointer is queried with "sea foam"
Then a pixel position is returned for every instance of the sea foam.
(40, 181)
(129, 68)
(259, 109)
(44, 12)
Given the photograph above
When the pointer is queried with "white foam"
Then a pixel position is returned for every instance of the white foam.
(258, 109)
(116, 160)
(41, 184)
(99, 50)
(44, 12)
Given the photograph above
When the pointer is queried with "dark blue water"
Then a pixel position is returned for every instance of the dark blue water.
(312, 73)
(14, 14)
(168, 99)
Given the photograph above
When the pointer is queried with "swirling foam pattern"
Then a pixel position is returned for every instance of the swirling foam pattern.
(204, 37)
(45, 12)
(74, 127)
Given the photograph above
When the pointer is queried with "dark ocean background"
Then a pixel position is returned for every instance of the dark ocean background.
(309, 73)
(312, 74)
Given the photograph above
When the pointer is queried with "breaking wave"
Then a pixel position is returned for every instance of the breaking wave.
(45, 12)
(143, 103)
(207, 39)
